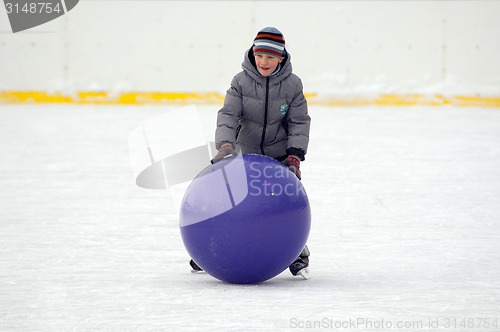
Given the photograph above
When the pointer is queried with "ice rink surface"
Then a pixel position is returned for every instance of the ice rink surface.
(406, 228)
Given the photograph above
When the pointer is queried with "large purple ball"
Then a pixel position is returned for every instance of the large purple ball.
(245, 219)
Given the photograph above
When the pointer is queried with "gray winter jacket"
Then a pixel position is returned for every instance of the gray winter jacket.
(265, 115)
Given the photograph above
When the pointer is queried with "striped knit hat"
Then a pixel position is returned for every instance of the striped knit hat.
(269, 41)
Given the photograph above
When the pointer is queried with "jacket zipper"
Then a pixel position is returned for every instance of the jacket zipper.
(265, 118)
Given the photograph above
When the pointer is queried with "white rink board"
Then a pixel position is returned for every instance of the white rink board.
(338, 47)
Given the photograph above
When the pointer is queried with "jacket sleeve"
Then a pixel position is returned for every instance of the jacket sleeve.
(298, 123)
(229, 115)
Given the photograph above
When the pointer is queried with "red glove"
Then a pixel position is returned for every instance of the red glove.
(293, 164)
(226, 150)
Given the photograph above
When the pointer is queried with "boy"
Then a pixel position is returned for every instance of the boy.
(265, 112)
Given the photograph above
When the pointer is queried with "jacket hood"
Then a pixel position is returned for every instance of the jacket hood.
(250, 68)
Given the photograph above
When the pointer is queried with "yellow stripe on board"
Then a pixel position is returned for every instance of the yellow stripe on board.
(127, 98)
(214, 98)
(409, 100)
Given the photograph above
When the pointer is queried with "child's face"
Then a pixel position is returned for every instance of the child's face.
(266, 64)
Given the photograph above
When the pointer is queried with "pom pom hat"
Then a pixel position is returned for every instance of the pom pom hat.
(269, 41)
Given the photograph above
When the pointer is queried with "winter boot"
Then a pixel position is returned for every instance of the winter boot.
(195, 267)
(300, 266)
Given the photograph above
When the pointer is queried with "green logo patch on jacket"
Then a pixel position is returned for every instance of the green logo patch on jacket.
(283, 109)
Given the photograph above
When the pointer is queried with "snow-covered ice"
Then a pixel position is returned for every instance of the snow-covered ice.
(406, 227)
